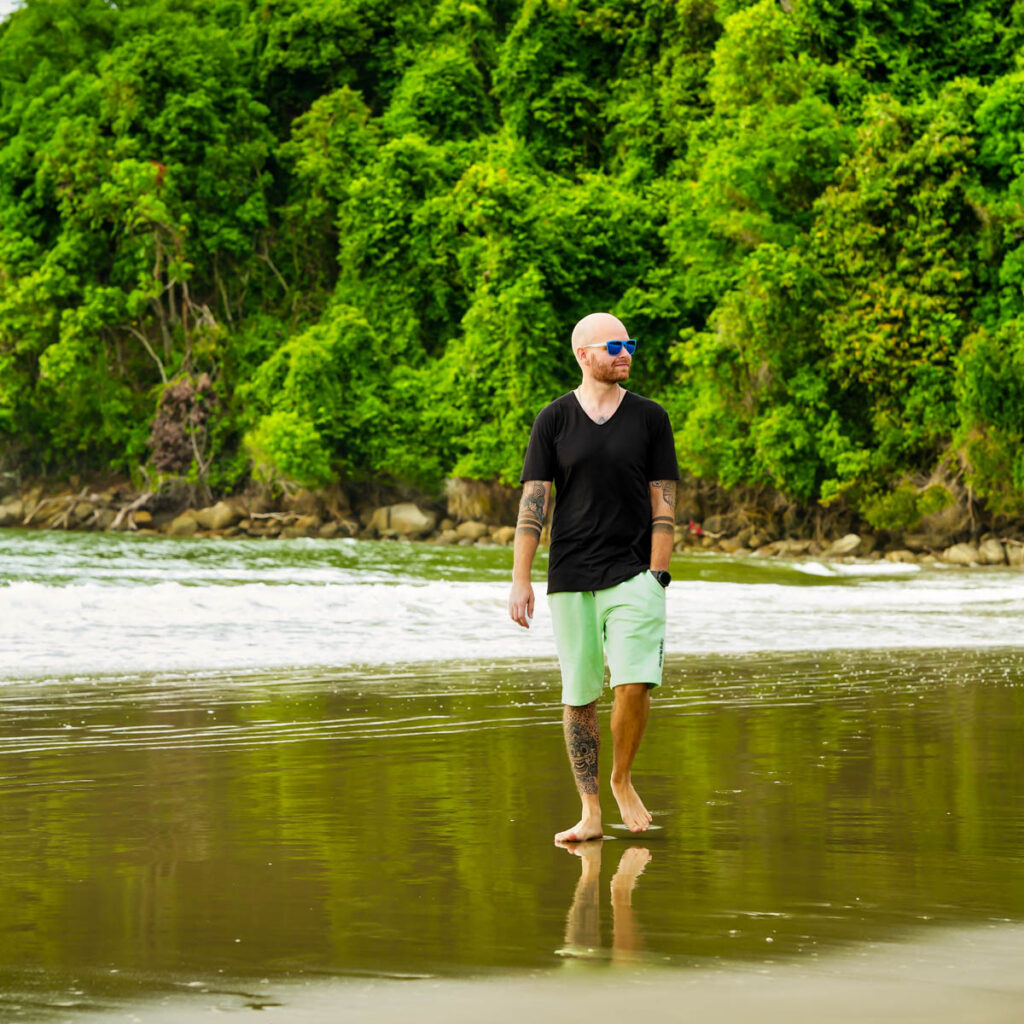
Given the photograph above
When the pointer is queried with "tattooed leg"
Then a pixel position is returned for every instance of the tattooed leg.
(583, 743)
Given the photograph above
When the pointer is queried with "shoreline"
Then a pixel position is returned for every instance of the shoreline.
(893, 980)
(476, 514)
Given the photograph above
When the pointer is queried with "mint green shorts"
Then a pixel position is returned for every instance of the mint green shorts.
(625, 622)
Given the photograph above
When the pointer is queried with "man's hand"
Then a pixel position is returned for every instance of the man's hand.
(520, 603)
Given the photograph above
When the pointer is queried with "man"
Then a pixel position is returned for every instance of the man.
(612, 460)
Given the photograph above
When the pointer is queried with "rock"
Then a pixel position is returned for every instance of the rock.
(142, 518)
(992, 552)
(1015, 553)
(466, 542)
(792, 548)
(446, 524)
(448, 537)
(484, 542)
(405, 518)
(81, 511)
(932, 541)
(730, 545)
(184, 526)
(329, 530)
(219, 516)
(480, 500)
(900, 555)
(303, 526)
(472, 530)
(12, 513)
(848, 545)
(962, 554)
(868, 543)
(505, 535)
(105, 518)
(756, 540)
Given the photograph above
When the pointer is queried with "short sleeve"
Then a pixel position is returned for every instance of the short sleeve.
(661, 454)
(539, 463)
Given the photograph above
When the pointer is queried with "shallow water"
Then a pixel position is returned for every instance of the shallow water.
(101, 604)
(298, 775)
(189, 843)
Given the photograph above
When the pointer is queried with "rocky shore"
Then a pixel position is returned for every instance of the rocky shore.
(483, 514)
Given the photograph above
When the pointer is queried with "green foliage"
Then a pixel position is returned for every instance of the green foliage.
(371, 225)
(905, 506)
(285, 447)
(990, 389)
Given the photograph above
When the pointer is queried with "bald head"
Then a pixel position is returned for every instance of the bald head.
(595, 328)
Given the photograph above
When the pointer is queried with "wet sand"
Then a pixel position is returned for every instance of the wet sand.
(950, 976)
(841, 838)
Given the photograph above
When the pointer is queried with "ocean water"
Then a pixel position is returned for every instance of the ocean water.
(82, 604)
(322, 778)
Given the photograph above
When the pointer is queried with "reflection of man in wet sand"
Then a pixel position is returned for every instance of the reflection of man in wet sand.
(612, 460)
(583, 922)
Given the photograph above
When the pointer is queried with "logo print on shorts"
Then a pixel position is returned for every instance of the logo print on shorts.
(661, 653)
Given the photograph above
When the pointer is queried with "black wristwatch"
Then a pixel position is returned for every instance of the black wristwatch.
(663, 576)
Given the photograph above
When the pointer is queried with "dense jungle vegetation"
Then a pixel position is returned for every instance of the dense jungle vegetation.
(305, 239)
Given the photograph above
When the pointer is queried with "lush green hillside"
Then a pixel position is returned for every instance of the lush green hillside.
(305, 238)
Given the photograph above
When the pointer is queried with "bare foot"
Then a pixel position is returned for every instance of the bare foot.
(586, 828)
(635, 816)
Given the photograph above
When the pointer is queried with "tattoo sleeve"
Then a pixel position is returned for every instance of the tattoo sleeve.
(583, 742)
(668, 491)
(531, 508)
(664, 522)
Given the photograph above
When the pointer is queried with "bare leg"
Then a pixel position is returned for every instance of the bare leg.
(583, 743)
(629, 719)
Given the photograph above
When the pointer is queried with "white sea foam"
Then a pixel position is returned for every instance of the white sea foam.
(63, 628)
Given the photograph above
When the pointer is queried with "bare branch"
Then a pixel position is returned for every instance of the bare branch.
(156, 359)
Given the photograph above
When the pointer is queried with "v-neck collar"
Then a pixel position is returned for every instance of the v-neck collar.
(622, 391)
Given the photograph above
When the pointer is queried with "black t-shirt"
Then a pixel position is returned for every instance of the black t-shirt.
(601, 531)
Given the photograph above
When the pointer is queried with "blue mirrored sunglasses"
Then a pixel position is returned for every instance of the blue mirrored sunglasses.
(615, 347)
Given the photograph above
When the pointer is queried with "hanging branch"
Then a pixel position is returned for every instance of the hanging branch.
(149, 348)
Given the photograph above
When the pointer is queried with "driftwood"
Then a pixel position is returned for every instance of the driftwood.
(38, 506)
(62, 522)
(132, 506)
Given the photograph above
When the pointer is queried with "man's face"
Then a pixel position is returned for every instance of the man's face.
(608, 369)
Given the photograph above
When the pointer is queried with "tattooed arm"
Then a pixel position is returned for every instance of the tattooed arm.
(663, 522)
(532, 510)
